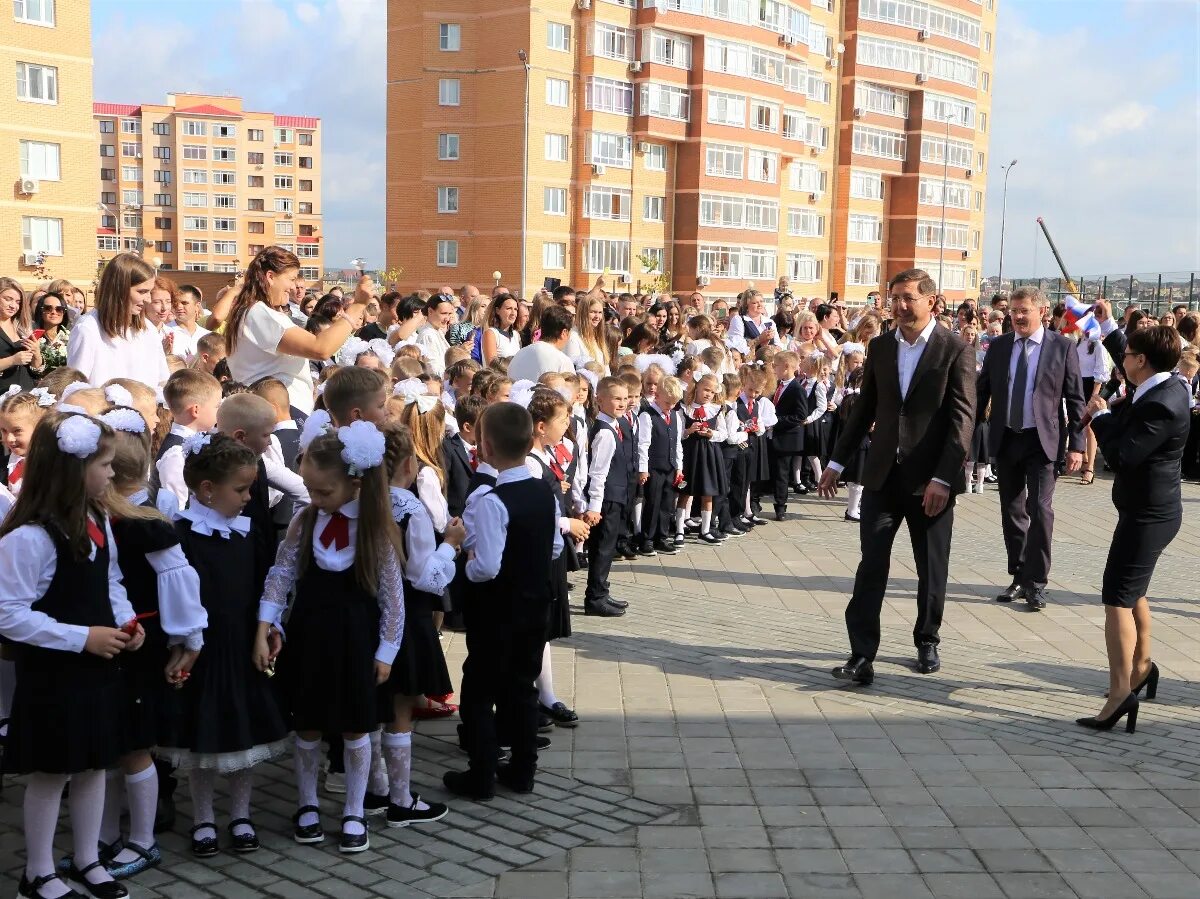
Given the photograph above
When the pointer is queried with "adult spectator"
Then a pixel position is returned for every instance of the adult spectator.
(431, 338)
(299, 292)
(750, 328)
(114, 340)
(410, 316)
(187, 332)
(20, 354)
(384, 318)
(546, 354)
(308, 304)
(627, 307)
(159, 314)
(464, 331)
(263, 340)
(564, 296)
(49, 317)
(1030, 375)
(1143, 440)
(589, 338)
(500, 339)
(783, 290)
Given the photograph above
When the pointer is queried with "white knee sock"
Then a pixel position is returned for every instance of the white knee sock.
(358, 767)
(545, 680)
(637, 515)
(815, 464)
(797, 467)
(854, 498)
(747, 511)
(377, 782)
(43, 797)
(306, 761)
(705, 521)
(241, 785)
(680, 517)
(142, 790)
(114, 797)
(87, 808)
(397, 749)
(200, 785)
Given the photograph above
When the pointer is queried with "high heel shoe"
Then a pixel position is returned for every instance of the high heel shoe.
(1150, 682)
(1128, 707)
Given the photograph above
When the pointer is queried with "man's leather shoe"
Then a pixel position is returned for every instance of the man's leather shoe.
(602, 608)
(618, 603)
(1011, 592)
(857, 670)
(780, 513)
(1035, 598)
(927, 659)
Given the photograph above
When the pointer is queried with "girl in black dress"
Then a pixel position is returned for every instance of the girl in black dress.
(228, 717)
(339, 570)
(62, 602)
(703, 468)
(165, 593)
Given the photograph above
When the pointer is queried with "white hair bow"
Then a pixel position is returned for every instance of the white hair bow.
(413, 390)
(351, 350)
(850, 348)
(128, 420)
(45, 398)
(380, 348)
(78, 436)
(118, 395)
(314, 426)
(194, 443)
(12, 391)
(521, 393)
(700, 372)
(362, 447)
(73, 388)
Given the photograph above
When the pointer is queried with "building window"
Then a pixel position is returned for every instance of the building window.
(256, 158)
(607, 203)
(448, 146)
(284, 229)
(161, 152)
(652, 209)
(554, 201)
(34, 12)
(611, 149)
(131, 126)
(985, 81)
(162, 176)
(878, 142)
(667, 49)
(195, 223)
(106, 126)
(447, 253)
(284, 182)
(806, 176)
(225, 201)
(224, 130)
(284, 159)
(283, 135)
(556, 147)
(305, 185)
(37, 84)
(224, 154)
(108, 174)
(256, 205)
(865, 229)
(195, 266)
(718, 211)
(256, 228)
(607, 95)
(762, 215)
(40, 160)
(724, 160)
(957, 194)
(195, 246)
(195, 151)
(306, 230)
(162, 128)
(805, 223)
(447, 199)
(558, 92)
(987, 42)
(106, 242)
(167, 246)
(305, 138)
(611, 42)
(865, 185)
(42, 235)
(308, 250)
(764, 116)
(222, 224)
(108, 221)
(803, 268)
(108, 150)
(305, 209)
(983, 122)
(131, 220)
(883, 100)
(195, 128)
(719, 261)
(131, 173)
(929, 234)
(254, 181)
(554, 256)
(283, 204)
(225, 247)
(656, 158)
(599, 255)
(195, 176)
(255, 134)
(763, 166)
(108, 196)
(655, 257)
(558, 37)
(759, 263)
(162, 224)
(933, 149)
(131, 198)
(726, 109)
(449, 92)
(449, 38)
(306, 162)
(666, 101)
(862, 271)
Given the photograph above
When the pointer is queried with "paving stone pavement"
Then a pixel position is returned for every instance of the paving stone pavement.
(718, 759)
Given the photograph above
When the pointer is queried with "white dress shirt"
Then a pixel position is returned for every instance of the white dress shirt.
(910, 354)
(1150, 383)
(170, 467)
(427, 566)
(486, 520)
(1094, 364)
(537, 359)
(429, 489)
(535, 471)
(433, 348)
(1032, 348)
(600, 455)
(185, 342)
(713, 418)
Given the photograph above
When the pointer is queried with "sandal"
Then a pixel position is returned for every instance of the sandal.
(1086, 477)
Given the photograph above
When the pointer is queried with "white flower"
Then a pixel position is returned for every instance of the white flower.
(314, 426)
(195, 443)
(45, 397)
(351, 350)
(118, 395)
(380, 348)
(414, 390)
(362, 446)
(521, 393)
(125, 420)
(78, 436)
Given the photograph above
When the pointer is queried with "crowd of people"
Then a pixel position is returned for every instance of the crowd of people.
(237, 527)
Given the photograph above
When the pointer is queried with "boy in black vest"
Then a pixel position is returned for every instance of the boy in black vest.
(787, 436)
(612, 469)
(193, 397)
(660, 464)
(465, 473)
(512, 538)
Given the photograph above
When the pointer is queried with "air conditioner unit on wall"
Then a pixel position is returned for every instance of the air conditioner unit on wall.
(814, 151)
(635, 66)
(30, 186)
(831, 62)
(598, 169)
(644, 146)
(922, 78)
(965, 254)
(969, 173)
(813, 197)
(584, 4)
(923, 34)
(31, 259)
(858, 112)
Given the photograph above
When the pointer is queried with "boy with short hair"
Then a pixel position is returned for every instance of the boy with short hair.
(612, 469)
(193, 397)
(787, 436)
(286, 439)
(210, 352)
(660, 465)
(627, 543)
(356, 394)
(512, 539)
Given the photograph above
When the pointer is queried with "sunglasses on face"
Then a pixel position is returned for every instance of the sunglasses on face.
(56, 309)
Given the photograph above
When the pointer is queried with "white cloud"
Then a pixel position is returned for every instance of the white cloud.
(307, 13)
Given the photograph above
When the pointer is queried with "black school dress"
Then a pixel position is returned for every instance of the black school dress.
(852, 474)
(758, 461)
(816, 433)
(568, 560)
(69, 710)
(703, 462)
(230, 714)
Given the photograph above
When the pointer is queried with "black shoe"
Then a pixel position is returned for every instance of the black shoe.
(1150, 682)
(603, 609)
(991, 479)
(583, 558)
(539, 744)
(32, 889)
(800, 489)
(857, 670)
(1035, 598)
(710, 538)
(109, 889)
(666, 547)
(628, 553)
(781, 513)
(646, 548)
(207, 847)
(354, 842)
(247, 842)
(375, 804)
(1128, 707)
(405, 817)
(927, 659)
(677, 540)
(308, 833)
(506, 778)
(618, 603)
(1011, 592)
(850, 517)
(468, 786)
(561, 715)
(545, 724)
(733, 531)
(758, 519)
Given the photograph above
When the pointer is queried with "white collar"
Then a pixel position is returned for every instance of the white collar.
(288, 425)
(138, 497)
(182, 430)
(1150, 383)
(463, 441)
(208, 522)
(923, 337)
(1036, 337)
(606, 418)
(487, 468)
(350, 510)
(512, 475)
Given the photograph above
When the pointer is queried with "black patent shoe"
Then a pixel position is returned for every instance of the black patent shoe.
(207, 847)
(857, 670)
(561, 715)
(512, 781)
(927, 659)
(468, 786)
(308, 833)
(247, 842)
(32, 889)
(1128, 707)
(109, 889)
(1011, 592)
(354, 842)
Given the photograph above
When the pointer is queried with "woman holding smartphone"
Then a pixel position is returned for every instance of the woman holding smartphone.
(20, 353)
(751, 327)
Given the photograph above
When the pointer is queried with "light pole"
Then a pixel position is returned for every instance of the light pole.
(117, 219)
(1003, 215)
(524, 57)
(945, 184)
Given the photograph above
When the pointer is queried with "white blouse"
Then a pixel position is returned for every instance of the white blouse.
(429, 489)
(506, 347)
(714, 418)
(208, 522)
(27, 564)
(535, 470)
(278, 590)
(136, 355)
(428, 567)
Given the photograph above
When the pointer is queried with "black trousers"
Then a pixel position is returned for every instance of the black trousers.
(1026, 506)
(739, 473)
(781, 466)
(602, 549)
(504, 658)
(722, 513)
(883, 511)
(658, 508)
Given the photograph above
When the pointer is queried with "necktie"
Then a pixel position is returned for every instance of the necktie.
(1016, 398)
(18, 472)
(95, 533)
(778, 393)
(337, 532)
(473, 458)
(617, 428)
(701, 415)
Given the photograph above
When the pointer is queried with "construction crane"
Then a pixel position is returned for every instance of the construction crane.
(1071, 286)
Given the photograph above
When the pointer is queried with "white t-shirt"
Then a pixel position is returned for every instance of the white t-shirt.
(257, 355)
(506, 347)
(535, 360)
(185, 343)
(135, 355)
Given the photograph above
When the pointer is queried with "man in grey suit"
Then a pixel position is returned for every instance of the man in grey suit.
(1030, 375)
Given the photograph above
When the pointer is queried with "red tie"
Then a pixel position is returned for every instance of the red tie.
(18, 472)
(336, 532)
(701, 415)
(778, 392)
(95, 533)
(473, 458)
(563, 456)
(617, 428)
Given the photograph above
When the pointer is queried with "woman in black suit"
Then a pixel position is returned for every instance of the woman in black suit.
(1143, 440)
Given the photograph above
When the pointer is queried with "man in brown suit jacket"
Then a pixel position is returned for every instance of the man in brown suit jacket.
(918, 391)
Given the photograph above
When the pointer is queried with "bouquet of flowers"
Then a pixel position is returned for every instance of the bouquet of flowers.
(54, 352)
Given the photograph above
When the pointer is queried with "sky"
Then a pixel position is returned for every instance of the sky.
(1097, 100)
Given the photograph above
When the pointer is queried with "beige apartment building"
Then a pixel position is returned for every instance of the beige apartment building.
(724, 142)
(199, 184)
(47, 142)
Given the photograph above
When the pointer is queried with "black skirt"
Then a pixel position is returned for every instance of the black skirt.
(703, 467)
(759, 462)
(420, 666)
(979, 445)
(151, 712)
(816, 436)
(1132, 556)
(852, 473)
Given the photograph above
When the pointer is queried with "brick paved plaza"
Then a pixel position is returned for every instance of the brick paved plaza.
(718, 758)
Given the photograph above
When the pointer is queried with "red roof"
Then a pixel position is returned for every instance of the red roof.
(296, 121)
(209, 109)
(115, 109)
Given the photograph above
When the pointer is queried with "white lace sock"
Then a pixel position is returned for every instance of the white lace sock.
(980, 472)
(87, 808)
(200, 784)
(814, 463)
(680, 518)
(306, 760)
(797, 468)
(397, 749)
(637, 515)
(854, 502)
(377, 783)
(43, 798)
(545, 680)
(142, 790)
(705, 521)
(241, 785)
(114, 797)
(358, 766)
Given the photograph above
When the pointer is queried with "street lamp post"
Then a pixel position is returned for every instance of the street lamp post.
(117, 220)
(524, 57)
(1003, 216)
(945, 184)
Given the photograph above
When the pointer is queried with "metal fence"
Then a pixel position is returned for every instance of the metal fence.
(1156, 292)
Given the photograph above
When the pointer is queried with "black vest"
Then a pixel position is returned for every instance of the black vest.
(523, 584)
(663, 437)
(751, 330)
(623, 468)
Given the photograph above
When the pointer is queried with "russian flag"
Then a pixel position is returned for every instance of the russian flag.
(1078, 316)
